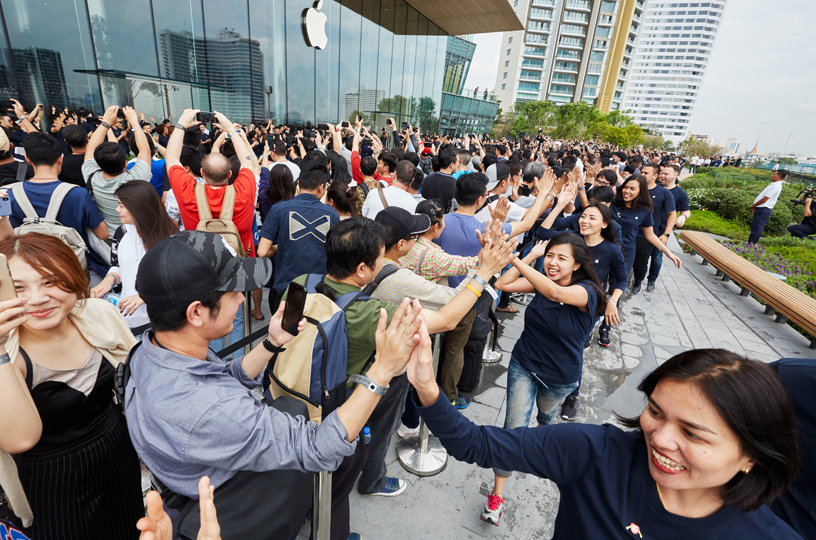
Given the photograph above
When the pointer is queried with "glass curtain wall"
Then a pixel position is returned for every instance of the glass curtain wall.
(245, 58)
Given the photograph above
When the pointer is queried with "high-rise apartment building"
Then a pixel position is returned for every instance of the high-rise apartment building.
(669, 64)
(570, 50)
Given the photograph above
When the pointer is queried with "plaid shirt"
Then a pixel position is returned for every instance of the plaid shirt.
(437, 263)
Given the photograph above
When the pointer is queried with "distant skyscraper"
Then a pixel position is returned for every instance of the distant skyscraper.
(568, 49)
(366, 101)
(458, 56)
(670, 61)
(40, 76)
(233, 66)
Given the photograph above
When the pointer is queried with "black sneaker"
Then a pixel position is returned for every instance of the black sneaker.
(570, 409)
(603, 336)
(636, 287)
(588, 342)
(650, 286)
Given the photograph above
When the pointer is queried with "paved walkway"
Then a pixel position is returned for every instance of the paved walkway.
(690, 309)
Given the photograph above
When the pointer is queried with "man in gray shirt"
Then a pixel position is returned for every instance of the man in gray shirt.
(190, 414)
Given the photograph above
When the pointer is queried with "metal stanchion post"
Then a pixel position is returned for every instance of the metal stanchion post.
(490, 356)
(247, 322)
(423, 454)
(321, 506)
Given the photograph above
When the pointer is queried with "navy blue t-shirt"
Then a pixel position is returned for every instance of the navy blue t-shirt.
(663, 203)
(607, 258)
(631, 221)
(570, 223)
(602, 473)
(299, 227)
(797, 505)
(77, 211)
(681, 200)
(552, 342)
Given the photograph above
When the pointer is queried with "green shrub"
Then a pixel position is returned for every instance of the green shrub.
(732, 172)
(788, 241)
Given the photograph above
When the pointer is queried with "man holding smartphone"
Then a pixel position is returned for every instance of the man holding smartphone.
(191, 415)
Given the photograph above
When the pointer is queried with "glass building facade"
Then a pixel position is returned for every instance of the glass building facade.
(462, 115)
(245, 58)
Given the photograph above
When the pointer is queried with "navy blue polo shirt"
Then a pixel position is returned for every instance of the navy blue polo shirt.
(552, 342)
(797, 505)
(299, 227)
(663, 203)
(602, 473)
(607, 258)
(570, 223)
(681, 200)
(631, 221)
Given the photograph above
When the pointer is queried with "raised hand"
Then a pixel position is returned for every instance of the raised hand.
(420, 368)
(209, 528)
(157, 525)
(396, 342)
(500, 210)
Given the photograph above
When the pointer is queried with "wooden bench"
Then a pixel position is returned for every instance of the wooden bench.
(783, 300)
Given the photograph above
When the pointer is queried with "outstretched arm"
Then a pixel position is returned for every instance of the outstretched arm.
(101, 131)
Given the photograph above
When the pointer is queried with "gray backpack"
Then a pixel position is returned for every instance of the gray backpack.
(49, 224)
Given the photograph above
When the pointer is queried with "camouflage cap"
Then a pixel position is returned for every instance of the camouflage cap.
(191, 265)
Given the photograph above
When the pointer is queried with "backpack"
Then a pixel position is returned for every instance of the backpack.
(49, 224)
(223, 224)
(320, 381)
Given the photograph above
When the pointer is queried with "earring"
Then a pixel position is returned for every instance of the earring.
(747, 470)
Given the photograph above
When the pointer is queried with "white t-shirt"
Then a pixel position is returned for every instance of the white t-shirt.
(394, 196)
(772, 191)
(516, 213)
(129, 253)
(292, 167)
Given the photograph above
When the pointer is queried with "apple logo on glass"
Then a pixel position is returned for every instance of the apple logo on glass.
(314, 26)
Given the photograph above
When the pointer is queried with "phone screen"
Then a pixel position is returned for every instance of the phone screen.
(5, 205)
(293, 311)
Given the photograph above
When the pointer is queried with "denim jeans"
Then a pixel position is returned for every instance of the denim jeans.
(234, 336)
(525, 387)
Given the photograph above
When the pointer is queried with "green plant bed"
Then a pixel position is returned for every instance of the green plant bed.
(796, 263)
(711, 222)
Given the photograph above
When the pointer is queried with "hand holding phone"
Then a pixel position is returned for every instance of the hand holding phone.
(293, 309)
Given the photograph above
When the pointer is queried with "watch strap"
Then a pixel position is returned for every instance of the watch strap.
(180, 126)
(480, 281)
(369, 384)
(270, 347)
(104, 124)
(4, 358)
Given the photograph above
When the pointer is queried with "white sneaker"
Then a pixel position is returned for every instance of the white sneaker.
(404, 431)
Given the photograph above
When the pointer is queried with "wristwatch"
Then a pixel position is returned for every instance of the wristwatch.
(369, 384)
(180, 126)
(270, 347)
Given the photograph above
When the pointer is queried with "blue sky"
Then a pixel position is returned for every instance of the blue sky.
(760, 81)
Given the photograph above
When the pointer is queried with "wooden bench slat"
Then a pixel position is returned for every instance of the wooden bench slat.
(787, 300)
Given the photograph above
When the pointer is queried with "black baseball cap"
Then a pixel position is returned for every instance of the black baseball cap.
(402, 224)
(191, 265)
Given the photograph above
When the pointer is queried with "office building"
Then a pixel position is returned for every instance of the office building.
(458, 56)
(669, 65)
(569, 50)
(251, 60)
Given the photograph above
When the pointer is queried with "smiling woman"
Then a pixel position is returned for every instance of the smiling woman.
(81, 476)
(714, 445)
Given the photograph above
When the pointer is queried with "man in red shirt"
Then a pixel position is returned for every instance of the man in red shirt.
(216, 172)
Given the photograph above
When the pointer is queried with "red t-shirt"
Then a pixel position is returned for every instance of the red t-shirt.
(357, 173)
(244, 212)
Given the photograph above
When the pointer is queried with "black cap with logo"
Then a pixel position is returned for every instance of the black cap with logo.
(402, 224)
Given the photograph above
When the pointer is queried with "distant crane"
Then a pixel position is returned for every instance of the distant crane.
(787, 142)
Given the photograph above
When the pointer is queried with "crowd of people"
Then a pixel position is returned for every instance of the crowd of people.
(133, 246)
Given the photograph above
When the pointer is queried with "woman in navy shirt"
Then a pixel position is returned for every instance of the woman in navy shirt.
(546, 363)
(715, 443)
(632, 209)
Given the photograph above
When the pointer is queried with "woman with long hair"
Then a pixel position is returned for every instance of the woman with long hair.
(80, 476)
(632, 209)
(715, 443)
(276, 184)
(342, 198)
(145, 223)
(339, 168)
(545, 366)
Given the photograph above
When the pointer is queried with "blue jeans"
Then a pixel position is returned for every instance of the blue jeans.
(525, 387)
(801, 230)
(236, 335)
(655, 264)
